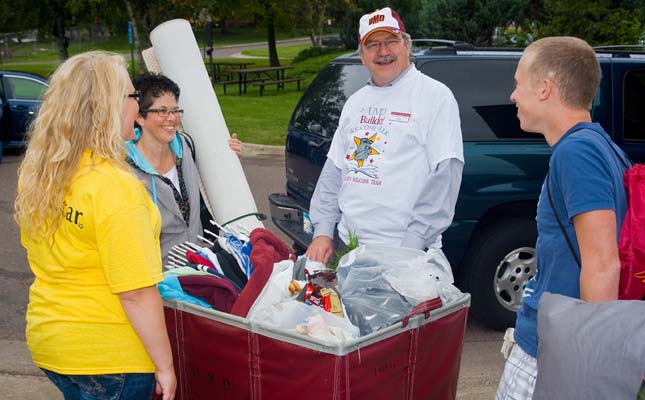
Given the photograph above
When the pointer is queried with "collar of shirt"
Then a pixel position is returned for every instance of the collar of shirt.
(395, 80)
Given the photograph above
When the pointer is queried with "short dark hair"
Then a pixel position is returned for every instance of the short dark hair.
(152, 86)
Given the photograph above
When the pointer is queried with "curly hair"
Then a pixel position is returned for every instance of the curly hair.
(81, 111)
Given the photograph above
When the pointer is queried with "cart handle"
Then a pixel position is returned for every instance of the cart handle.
(424, 308)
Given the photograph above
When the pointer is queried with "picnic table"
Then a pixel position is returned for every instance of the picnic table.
(262, 76)
(225, 67)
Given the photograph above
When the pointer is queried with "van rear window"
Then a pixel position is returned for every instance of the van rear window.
(634, 103)
(482, 89)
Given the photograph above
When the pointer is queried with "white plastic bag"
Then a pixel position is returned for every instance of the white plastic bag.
(276, 289)
(306, 319)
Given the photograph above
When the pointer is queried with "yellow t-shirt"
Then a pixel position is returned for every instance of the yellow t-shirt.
(107, 243)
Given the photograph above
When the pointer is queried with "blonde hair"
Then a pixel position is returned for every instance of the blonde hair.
(81, 110)
(571, 63)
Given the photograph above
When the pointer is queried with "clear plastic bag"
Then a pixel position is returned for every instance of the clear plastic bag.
(376, 306)
(380, 285)
(423, 278)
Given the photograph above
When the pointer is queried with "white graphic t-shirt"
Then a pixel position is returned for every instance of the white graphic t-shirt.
(387, 142)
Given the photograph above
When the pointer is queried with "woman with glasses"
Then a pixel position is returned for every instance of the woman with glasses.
(95, 322)
(162, 158)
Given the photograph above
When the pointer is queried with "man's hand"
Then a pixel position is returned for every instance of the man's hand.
(596, 234)
(235, 144)
(320, 249)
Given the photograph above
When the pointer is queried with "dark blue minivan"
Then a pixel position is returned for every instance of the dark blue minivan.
(491, 241)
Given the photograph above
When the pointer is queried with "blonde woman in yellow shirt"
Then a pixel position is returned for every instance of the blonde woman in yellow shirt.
(95, 322)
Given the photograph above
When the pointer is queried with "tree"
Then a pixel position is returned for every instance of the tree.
(270, 16)
(313, 14)
(19, 15)
(223, 11)
(144, 15)
(408, 10)
(600, 22)
(59, 14)
(473, 21)
(135, 35)
(274, 15)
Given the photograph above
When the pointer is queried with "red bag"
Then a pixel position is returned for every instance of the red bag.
(631, 245)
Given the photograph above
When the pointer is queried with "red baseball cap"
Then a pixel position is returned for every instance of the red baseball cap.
(384, 19)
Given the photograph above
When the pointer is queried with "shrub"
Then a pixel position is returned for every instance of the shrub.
(310, 67)
(312, 52)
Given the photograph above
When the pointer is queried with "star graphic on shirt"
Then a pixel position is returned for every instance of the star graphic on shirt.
(364, 149)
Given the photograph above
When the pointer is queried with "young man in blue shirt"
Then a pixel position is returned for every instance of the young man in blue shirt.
(555, 83)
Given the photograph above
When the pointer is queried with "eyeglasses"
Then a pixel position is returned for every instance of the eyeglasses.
(164, 113)
(374, 45)
(136, 95)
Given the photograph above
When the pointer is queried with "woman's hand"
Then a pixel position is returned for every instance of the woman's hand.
(166, 383)
(235, 144)
(144, 310)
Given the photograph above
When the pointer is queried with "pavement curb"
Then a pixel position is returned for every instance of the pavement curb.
(253, 150)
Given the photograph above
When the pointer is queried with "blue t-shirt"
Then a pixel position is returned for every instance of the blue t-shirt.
(585, 175)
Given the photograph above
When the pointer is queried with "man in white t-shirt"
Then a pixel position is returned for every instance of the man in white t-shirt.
(394, 168)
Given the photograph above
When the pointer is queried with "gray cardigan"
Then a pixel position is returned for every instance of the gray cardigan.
(173, 227)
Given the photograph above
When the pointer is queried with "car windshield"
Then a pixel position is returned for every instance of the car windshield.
(319, 109)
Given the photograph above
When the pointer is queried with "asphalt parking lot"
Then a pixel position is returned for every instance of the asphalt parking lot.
(481, 363)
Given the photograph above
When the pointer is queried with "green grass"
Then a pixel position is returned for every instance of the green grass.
(284, 52)
(259, 120)
(48, 50)
(241, 36)
(44, 69)
(264, 120)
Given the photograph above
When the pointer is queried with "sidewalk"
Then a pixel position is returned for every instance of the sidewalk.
(254, 150)
(20, 379)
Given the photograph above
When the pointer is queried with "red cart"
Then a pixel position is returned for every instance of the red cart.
(221, 356)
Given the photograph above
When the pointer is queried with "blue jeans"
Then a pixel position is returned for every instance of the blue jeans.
(104, 387)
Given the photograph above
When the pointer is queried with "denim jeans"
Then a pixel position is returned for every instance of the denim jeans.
(104, 387)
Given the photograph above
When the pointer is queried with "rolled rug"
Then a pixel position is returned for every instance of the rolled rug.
(227, 189)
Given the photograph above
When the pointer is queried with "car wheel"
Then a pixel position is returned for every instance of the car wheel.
(496, 268)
